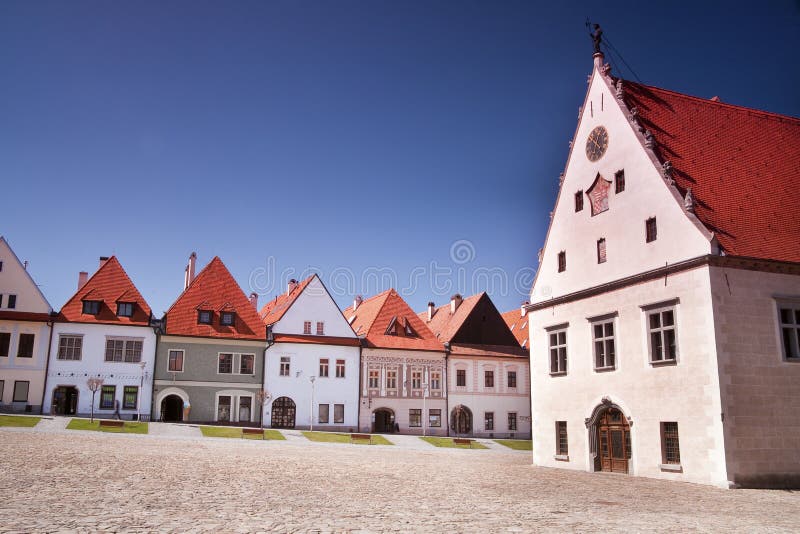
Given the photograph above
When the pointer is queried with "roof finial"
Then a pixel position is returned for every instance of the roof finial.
(597, 38)
(688, 201)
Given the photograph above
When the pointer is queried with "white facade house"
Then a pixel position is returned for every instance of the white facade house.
(25, 321)
(664, 316)
(102, 332)
(311, 369)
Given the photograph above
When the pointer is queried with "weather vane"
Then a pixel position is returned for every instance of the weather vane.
(596, 35)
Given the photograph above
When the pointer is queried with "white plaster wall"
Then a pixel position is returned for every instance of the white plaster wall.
(314, 304)
(623, 224)
(30, 369)
(687, 392)
(92, 363)
(304, 364)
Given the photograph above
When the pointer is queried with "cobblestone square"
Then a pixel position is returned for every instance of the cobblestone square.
(93, 482)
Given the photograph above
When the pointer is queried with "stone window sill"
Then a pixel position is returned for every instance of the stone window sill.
(662, 363)
(674, 468)
(605, 369)
(561, 457)
(559, 373)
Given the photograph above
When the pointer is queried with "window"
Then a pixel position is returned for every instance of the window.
(225, 365)
(245, 403)
(107, 394)
(512, 420)
(414, 417)
(227, 318)
(25, 348)
(247, 364)
(619, 181)
(604, 354)
(562, 261)
(579, 201)
(562, 441)
(124, 350)
(2, 389)
(488, 421)
(512, 379)
(21, 391)
(69, 347)
(436, 380)
(601, 250)
(461, 377)
(790, 331)
(662, 336)
(374, 379)
(339, 368)
(5, 342)
(130, 396)
(204, 317)
(391, 379)
(320, 328)
(12, 302)
(416, 379)
(323, 367)
(435, 418)
(285, 365)
(91, 307)
(175, 361)
(338, 413)
(324, 413)
(1, 266)
(1, 300)
(670, 445)
(488, 379)
(650, 230)
(307, 327)
(124, 309)
(558, 352)
(224, 408)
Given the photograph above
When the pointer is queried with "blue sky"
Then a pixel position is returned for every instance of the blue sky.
(358, 139)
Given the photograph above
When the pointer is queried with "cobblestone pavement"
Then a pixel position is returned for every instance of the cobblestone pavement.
(95, 482)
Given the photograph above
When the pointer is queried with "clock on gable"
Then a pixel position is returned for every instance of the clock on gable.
(597, 143)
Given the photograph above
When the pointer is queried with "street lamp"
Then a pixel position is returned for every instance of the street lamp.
(312, 379)
(142, 365)
(424, 396)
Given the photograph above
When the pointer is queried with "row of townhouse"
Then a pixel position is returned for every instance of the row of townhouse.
(298, 362)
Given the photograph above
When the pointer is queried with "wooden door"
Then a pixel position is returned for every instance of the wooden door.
(283, 413)
(614, 441)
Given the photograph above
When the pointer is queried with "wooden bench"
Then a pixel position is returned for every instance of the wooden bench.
(114, 423)
(463, 441)
(253, 432)
(367, 437)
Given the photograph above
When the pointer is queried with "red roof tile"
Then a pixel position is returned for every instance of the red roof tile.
(109, 282)
(373, 317)
(445, 325)
(214, 289)
(273, 310)
(11, 315)
(742, 165)
(519, 326)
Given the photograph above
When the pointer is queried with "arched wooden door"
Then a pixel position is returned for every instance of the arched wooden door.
(283, 413)
(461, 420)
(172, 409)
(614, 441)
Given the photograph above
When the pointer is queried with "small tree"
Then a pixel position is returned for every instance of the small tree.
(263, 397)
(94, 384)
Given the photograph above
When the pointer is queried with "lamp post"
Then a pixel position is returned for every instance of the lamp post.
(424, 396)
(312, 379)
(139, 393)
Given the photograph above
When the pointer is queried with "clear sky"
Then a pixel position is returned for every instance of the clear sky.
(416, 144)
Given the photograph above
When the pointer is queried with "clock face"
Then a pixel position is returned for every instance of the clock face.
(597, 143)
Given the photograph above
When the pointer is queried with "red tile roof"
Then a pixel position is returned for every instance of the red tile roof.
(106, 285)
(317, 340)
(742, 165)
(273, 310)
(445, 325)
(497, 351)
(11, 315)
(374, 316)
(519, 326)
(214, 289)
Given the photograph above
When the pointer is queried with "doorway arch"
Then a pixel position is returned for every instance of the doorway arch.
(65, 400)
(461, 420)
(172, 409)
(283, 413)
(610, 438)
(383, 420)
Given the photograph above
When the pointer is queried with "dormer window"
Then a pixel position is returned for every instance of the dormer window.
(124, 309)
(227, 318)
(204, 317)
(91, 307)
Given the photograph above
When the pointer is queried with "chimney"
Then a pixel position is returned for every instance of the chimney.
(455, 302)
(522, 310)
(188, 273)
(254, 300)
(83, 276)
(431, 307)
(103, 260)
(291, 286)
(357, 302)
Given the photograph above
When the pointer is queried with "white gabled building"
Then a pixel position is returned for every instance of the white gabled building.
(25, 322)
(103, 331)
(665, 314)
(311, 352)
